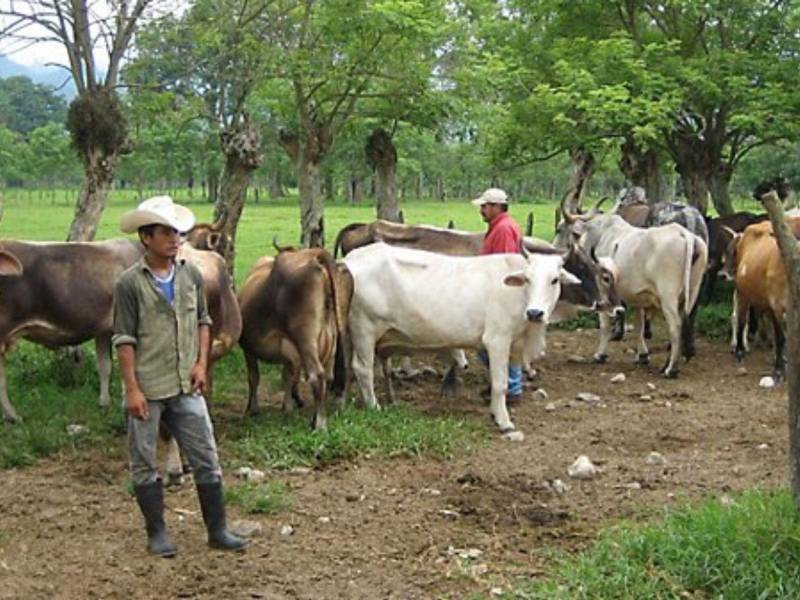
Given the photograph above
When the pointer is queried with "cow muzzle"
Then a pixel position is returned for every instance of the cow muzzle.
(534, 315)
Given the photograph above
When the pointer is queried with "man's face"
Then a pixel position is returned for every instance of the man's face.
(489, 211)
(164, 243)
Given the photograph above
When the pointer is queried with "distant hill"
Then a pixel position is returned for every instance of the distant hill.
(52, 76)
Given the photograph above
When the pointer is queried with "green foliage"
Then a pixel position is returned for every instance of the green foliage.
(259, 498)
(281, 442)
(745, 550)
(25, 105)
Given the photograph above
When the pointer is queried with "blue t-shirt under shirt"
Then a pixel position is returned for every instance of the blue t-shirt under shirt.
(167, 285)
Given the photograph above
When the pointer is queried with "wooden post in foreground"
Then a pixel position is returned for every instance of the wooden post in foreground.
(791, 261)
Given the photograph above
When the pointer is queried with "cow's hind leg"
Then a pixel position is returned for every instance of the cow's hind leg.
(780, 344)
(102, 346)
(8, 411)
(317, 380)
(674, 324)
(687, 333)
(386, 369)
(364, 366)
(739, 324)
(253, 378)
(642, 352)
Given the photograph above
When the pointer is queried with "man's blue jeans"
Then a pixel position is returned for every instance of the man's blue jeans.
(514, 374)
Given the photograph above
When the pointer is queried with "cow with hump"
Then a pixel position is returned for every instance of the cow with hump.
(294, 311)
(412, 300)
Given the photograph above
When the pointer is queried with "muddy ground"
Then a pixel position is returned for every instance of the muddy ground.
(405, 528)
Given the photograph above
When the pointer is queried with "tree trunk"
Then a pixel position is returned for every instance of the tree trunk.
(695, 183)
(213, 186)
(791, 261)
(97, 179)
(241, 144)
(721, 190)
(382, 157)
(582, 171)
(276, 184)
(328, 187)
(643, 168)
(312, 209)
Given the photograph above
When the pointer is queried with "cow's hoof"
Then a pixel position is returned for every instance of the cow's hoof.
(689, 354)
(643, 359)
(600, 359)
(617, 336)
(739, 354)
(671, 373)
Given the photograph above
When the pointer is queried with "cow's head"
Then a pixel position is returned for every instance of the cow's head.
(210, 236)
(542, 279)
(568, 229)
(730, 241)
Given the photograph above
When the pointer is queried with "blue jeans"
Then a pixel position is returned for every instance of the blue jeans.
(186, 416)
(514, 374)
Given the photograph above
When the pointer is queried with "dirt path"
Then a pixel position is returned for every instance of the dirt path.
(376, 529)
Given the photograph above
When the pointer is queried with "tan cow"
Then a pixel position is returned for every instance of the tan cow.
(761, 284)
(294, 311)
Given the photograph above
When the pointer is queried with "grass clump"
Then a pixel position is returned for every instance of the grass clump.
(746, 550)
(281, 442)
(259, 498)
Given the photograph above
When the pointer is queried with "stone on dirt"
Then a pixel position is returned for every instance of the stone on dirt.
(582, 468)
(248, 529)
(514, 436)
(559, 487)
(550, 406)
(656, 459)
(618, 378)
(287, 530)
(588, 398)
(541, 393)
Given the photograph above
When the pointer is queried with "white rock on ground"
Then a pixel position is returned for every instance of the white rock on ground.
(618, 378)
(588, 398)
(255, 476)
(542, 394)
(766, 382)
(287, 530)
(242, 472)
(656, 459)
(550, 406)
(582, 468)
(514, 436)
(559, 487)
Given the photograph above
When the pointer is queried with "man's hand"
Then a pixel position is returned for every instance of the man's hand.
(199, 377)
(136, 405)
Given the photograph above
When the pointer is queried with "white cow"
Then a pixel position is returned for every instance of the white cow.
(658, 268)
(408, 300)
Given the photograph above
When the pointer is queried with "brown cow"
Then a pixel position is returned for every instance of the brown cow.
(420, 237)
(294, 311)
(761, 283)
(209, 236)
(59, 294)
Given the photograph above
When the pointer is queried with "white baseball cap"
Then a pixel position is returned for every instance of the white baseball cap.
(491, 196)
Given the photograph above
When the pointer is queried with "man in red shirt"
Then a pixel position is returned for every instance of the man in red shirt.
(504, 236)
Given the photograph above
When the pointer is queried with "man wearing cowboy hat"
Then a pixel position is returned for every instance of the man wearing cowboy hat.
(162, 333)
(504, 236)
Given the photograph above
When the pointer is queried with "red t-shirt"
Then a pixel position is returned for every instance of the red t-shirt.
(504, 236)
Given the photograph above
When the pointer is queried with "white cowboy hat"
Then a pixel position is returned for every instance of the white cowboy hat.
(491, 196)
(159, 210)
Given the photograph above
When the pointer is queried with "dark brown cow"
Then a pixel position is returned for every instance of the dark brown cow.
(719, 238)
(294, 311)
(59, 294)
(419, 237)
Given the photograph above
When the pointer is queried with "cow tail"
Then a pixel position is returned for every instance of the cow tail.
(338, 243)
(687, 273)
(340, 363)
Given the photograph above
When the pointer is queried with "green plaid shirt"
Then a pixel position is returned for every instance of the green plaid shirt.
(165, 337)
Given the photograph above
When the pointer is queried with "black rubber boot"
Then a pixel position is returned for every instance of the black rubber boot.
(213, 507)
(151, 502)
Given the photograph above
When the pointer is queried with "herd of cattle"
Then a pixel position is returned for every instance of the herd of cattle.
(400, 289)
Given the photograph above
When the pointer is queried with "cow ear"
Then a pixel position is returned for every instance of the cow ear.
(9, 264)
(213, 240)
(567, 277)
(517, 279)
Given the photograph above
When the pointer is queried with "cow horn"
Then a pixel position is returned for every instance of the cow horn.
(280, 248)
(568, 218)
(728, 230)
(597, 206)
(529, 225)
